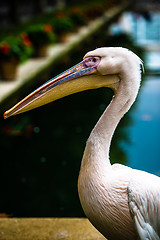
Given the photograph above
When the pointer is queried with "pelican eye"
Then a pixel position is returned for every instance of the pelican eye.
(94, 59)
(91, 61)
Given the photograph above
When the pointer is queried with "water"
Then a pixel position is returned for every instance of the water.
(144, 150)
(144, 30)
(153, 61)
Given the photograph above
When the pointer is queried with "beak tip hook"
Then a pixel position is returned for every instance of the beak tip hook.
(5, 115)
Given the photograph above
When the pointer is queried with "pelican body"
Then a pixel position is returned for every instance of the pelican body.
(121, 202)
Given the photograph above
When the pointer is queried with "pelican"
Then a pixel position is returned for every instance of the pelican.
(121, 202)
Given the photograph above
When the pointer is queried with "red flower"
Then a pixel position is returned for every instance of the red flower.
(47, 28)
(5, 48)
(75, 10)
(26, 39)
(60, 15)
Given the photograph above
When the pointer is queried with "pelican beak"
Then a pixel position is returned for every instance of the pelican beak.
(81, 77)
(69, 82)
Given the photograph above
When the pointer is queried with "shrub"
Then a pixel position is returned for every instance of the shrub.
(41, 34)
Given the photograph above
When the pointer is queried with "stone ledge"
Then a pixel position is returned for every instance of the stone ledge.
(48, 229)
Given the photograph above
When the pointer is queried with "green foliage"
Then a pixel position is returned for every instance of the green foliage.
(62, 25)
(15, 48)
(45, 29)
(77, 16)
(41, 34)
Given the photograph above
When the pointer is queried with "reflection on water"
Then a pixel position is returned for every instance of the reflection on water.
(144, 150)
(153, 60)
(144, 30)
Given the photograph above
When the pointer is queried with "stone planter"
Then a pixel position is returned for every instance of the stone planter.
(41, 51)
(8, 69)
(63, 38)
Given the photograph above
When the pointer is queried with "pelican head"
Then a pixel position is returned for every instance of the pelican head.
(99, 68)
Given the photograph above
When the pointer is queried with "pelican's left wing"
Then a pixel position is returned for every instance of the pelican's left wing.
(144, 204)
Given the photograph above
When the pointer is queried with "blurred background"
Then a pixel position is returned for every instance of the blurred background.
(41, 150)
